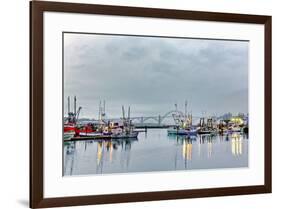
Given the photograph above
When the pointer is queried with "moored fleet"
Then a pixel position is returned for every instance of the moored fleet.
(213, 126)
(101, 129)
(124, 128)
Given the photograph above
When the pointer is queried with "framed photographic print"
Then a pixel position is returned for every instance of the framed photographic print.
(138, 104)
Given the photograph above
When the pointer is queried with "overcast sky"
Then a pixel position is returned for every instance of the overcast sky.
(152, 74)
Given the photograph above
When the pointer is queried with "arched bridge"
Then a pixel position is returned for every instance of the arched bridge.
(156, 119)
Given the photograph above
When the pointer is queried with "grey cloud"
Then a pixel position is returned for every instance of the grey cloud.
(151, 74)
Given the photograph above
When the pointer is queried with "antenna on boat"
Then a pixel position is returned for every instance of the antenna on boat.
(100, 111)
(68, 105)
(185, 109)
(191, 117)
(129, 111)
(123, 112)
(103, 108)
(78, 112)
(75, 106)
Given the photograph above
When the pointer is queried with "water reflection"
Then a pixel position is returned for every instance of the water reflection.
(236, 144)
(155, 151)
(69, 151)
(106, 149)
(187, 149)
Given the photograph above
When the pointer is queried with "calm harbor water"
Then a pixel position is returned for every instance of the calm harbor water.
(155, 151)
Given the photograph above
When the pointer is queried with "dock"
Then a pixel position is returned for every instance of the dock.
(82, 138)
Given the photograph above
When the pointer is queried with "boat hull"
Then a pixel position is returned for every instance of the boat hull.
(207, 132)
(125, 136)
(90, 134)
(68, 135)
(181, 132)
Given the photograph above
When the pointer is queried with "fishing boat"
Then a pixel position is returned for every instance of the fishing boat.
(68, 135)
(90, 134)
(183, 124)
(245, 129)
(235, 129)
(69, 127)
(124, 129)
(87, 130)
(207, 131)
(68, 131)
(207, 127)
(182, 131)
(133, 134)
(70, 124)
(232, 129)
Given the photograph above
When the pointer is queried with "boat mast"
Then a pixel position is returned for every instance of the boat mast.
(103, 111)
(191, 118)
(129, 111)
(68, 105)
(185, 110)
(123, 113)
(78, 112)
(100, 112)
(124, 119)
(74, 106)
(129, 121)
